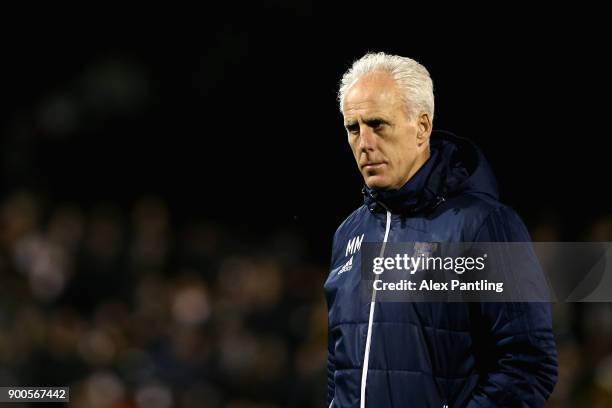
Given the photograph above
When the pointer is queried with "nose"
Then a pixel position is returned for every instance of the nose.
(367, 139)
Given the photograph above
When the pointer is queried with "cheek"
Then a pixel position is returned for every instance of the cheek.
(407, 145)
(352, 141)
(352, 146)
(354, 150)
(401, 154)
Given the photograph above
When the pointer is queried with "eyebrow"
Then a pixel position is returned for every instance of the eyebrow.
(367, 120)
(375, 120)
(350, 123)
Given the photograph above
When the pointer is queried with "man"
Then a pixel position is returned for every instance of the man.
(424, 187)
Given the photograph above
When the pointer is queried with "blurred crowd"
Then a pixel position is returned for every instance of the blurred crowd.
(583, 330)
(130, 309)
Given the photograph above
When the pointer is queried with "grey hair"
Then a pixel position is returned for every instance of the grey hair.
(411, 77)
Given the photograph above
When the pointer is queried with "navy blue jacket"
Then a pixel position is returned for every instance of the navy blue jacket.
(434, 354)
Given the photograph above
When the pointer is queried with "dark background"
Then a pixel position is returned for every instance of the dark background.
(235, 113)
(227, 117)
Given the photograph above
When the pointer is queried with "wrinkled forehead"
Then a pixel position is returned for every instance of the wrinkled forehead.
(373, 93)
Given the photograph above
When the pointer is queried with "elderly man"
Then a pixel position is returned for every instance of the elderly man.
(424, 186)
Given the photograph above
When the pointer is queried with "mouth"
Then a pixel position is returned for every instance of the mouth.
(372, 166)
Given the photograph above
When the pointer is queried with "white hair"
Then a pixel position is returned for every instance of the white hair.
(412, 78)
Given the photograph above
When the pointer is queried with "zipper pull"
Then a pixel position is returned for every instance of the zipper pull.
(440, 200)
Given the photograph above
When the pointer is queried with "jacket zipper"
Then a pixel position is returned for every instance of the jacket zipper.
(366, 356)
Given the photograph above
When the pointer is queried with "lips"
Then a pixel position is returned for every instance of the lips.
(372, 165)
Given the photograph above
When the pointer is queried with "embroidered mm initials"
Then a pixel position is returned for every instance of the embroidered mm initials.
(354, 245)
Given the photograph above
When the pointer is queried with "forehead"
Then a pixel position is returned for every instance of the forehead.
(375, 93)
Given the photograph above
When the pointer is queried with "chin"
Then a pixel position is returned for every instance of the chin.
(377, 182)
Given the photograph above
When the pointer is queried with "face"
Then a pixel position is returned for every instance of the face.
(388, 146)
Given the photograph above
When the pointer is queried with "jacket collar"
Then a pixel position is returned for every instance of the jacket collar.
(456, 166)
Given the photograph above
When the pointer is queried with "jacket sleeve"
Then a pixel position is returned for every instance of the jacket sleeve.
(331, 362)
(515, 339)
(331, 369)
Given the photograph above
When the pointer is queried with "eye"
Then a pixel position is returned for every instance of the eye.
(353, 129)
(376, 123)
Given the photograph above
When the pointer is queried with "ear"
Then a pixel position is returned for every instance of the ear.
(423, 122)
